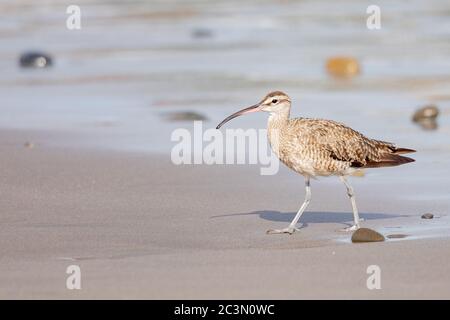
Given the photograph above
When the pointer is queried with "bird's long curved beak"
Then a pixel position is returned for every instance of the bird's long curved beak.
(251, 109)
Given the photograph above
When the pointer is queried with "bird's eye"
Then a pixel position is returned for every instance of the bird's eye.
(274, 100)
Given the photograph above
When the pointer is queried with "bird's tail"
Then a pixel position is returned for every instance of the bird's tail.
(391, 160)
(402, 150)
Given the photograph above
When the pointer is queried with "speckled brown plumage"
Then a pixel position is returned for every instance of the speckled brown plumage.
(316, 147)
(325, 147)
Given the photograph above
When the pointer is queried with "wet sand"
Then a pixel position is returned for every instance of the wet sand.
(140, 227)
(98, 188)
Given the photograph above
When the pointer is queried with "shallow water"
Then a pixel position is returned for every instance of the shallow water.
(131, 62)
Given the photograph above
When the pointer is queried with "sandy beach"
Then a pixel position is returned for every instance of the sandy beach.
(140, 227)
(86, 176)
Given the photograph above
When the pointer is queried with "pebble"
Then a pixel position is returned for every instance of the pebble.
(202, 33)
(427, 216)
(28, 144)
(185, 116)
(426, 112)
(343, 66)
(426, 117)
(35, 60)
(366, 235)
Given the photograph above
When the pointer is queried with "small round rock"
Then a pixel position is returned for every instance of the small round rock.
(427, 216)
(28, 144)
(343, 66)
(426, 113)
(202, 33)
(185, 116)
(367, 235)
(35, 60)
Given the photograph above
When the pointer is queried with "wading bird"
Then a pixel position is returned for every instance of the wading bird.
(317, 147)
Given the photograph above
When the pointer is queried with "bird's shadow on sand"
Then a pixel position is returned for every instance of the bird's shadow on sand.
(312, 216)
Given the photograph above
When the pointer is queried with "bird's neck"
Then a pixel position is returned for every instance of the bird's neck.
(275, 125)
(278, 120)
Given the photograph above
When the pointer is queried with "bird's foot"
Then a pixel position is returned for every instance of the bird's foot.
(289, 230)
(350, 229)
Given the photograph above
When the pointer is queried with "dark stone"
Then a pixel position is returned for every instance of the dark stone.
(28, 144)
(35, 60)
(426, 112)
(185, 116)
(366, 235)
(427, 216)
(202, 33)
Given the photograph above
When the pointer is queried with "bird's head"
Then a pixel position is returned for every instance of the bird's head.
(274, 102)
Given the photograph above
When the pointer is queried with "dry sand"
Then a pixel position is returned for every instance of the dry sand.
(140, 227)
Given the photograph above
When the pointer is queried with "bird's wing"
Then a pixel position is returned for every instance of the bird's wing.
(340, 142)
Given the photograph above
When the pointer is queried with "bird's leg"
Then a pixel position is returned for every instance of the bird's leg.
(351, 195)
(292, 226)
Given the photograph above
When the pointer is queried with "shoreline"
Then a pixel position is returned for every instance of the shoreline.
(140, 227)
